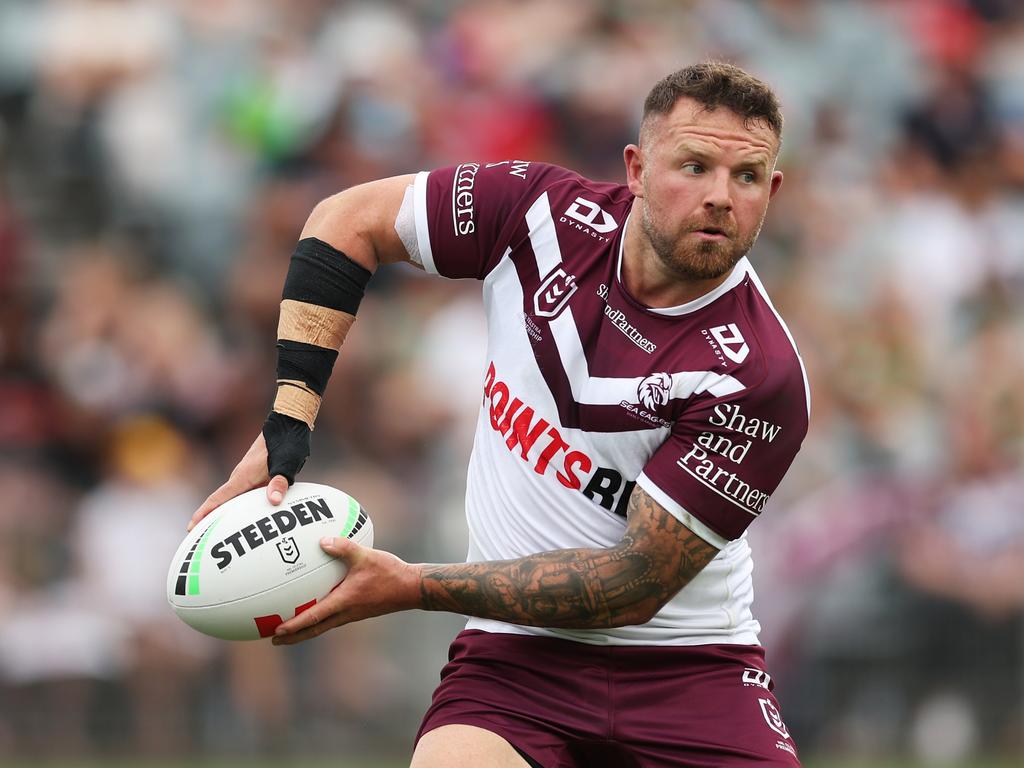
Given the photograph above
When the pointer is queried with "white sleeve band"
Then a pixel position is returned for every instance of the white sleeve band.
(422, 230)
(405, 226)
(678, 512)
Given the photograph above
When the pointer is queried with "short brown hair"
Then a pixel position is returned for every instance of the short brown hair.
(716, 84)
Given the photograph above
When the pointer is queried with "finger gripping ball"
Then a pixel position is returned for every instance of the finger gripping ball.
(249, 566)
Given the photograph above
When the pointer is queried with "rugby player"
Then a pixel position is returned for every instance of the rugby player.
(641, 402)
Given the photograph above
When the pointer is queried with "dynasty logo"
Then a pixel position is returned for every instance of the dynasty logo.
(727, 342)
(590, 218)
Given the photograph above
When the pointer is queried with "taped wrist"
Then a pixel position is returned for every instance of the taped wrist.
(302, 374)
(287, 445)
(320, 274)
(321, 295)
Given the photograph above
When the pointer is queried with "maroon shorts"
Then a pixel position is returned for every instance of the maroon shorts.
(563, 704)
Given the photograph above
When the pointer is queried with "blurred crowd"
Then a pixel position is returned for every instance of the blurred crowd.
(157, 162)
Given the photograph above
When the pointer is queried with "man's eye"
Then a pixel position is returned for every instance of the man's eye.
(748, 177)
(693, 168)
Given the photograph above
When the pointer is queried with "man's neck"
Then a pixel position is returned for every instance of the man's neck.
(646, 277)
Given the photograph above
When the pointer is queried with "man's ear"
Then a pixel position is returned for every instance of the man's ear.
(776, 183)
(633, 158)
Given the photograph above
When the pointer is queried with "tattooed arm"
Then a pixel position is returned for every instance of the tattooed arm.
(572, 588)
(578, 588)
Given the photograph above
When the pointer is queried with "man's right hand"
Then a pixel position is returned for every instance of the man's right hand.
(282, 447)
(251, 472)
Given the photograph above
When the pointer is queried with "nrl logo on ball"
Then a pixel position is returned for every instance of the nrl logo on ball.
(288, 550)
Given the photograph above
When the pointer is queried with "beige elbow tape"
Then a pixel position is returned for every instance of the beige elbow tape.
(297, 400)
(313, 324)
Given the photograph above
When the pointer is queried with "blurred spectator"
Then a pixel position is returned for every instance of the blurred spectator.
(51, 648)
(125, 532)
(965, 560)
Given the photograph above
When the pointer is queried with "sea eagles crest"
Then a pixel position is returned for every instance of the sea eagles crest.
(655, 390)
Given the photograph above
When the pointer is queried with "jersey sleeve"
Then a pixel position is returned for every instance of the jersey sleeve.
(724, 459)
(466, 214)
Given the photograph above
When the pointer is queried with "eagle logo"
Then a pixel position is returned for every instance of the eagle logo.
(655, 390)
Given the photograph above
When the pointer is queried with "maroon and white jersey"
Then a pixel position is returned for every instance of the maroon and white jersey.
(588, 392)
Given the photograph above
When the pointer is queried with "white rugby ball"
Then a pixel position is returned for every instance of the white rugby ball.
(249, 566)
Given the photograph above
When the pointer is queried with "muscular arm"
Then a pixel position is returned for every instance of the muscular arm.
(578, 588)
(360, 221)
(571, 588)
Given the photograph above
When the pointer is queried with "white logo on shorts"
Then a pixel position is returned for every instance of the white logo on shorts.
(785, 747)
(759, 677)
(773, 718)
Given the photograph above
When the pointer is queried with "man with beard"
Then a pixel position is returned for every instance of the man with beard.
(641, 402)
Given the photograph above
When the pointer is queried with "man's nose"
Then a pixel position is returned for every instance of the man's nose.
(717, 196)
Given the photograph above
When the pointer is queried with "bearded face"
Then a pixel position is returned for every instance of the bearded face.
(698, 248)
(703, 179)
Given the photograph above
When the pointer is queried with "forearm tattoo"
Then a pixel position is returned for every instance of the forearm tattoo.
(578, 588)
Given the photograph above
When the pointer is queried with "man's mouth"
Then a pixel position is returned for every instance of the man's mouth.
(711, 232)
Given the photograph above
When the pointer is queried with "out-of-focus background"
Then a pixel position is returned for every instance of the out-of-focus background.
(157, 162)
